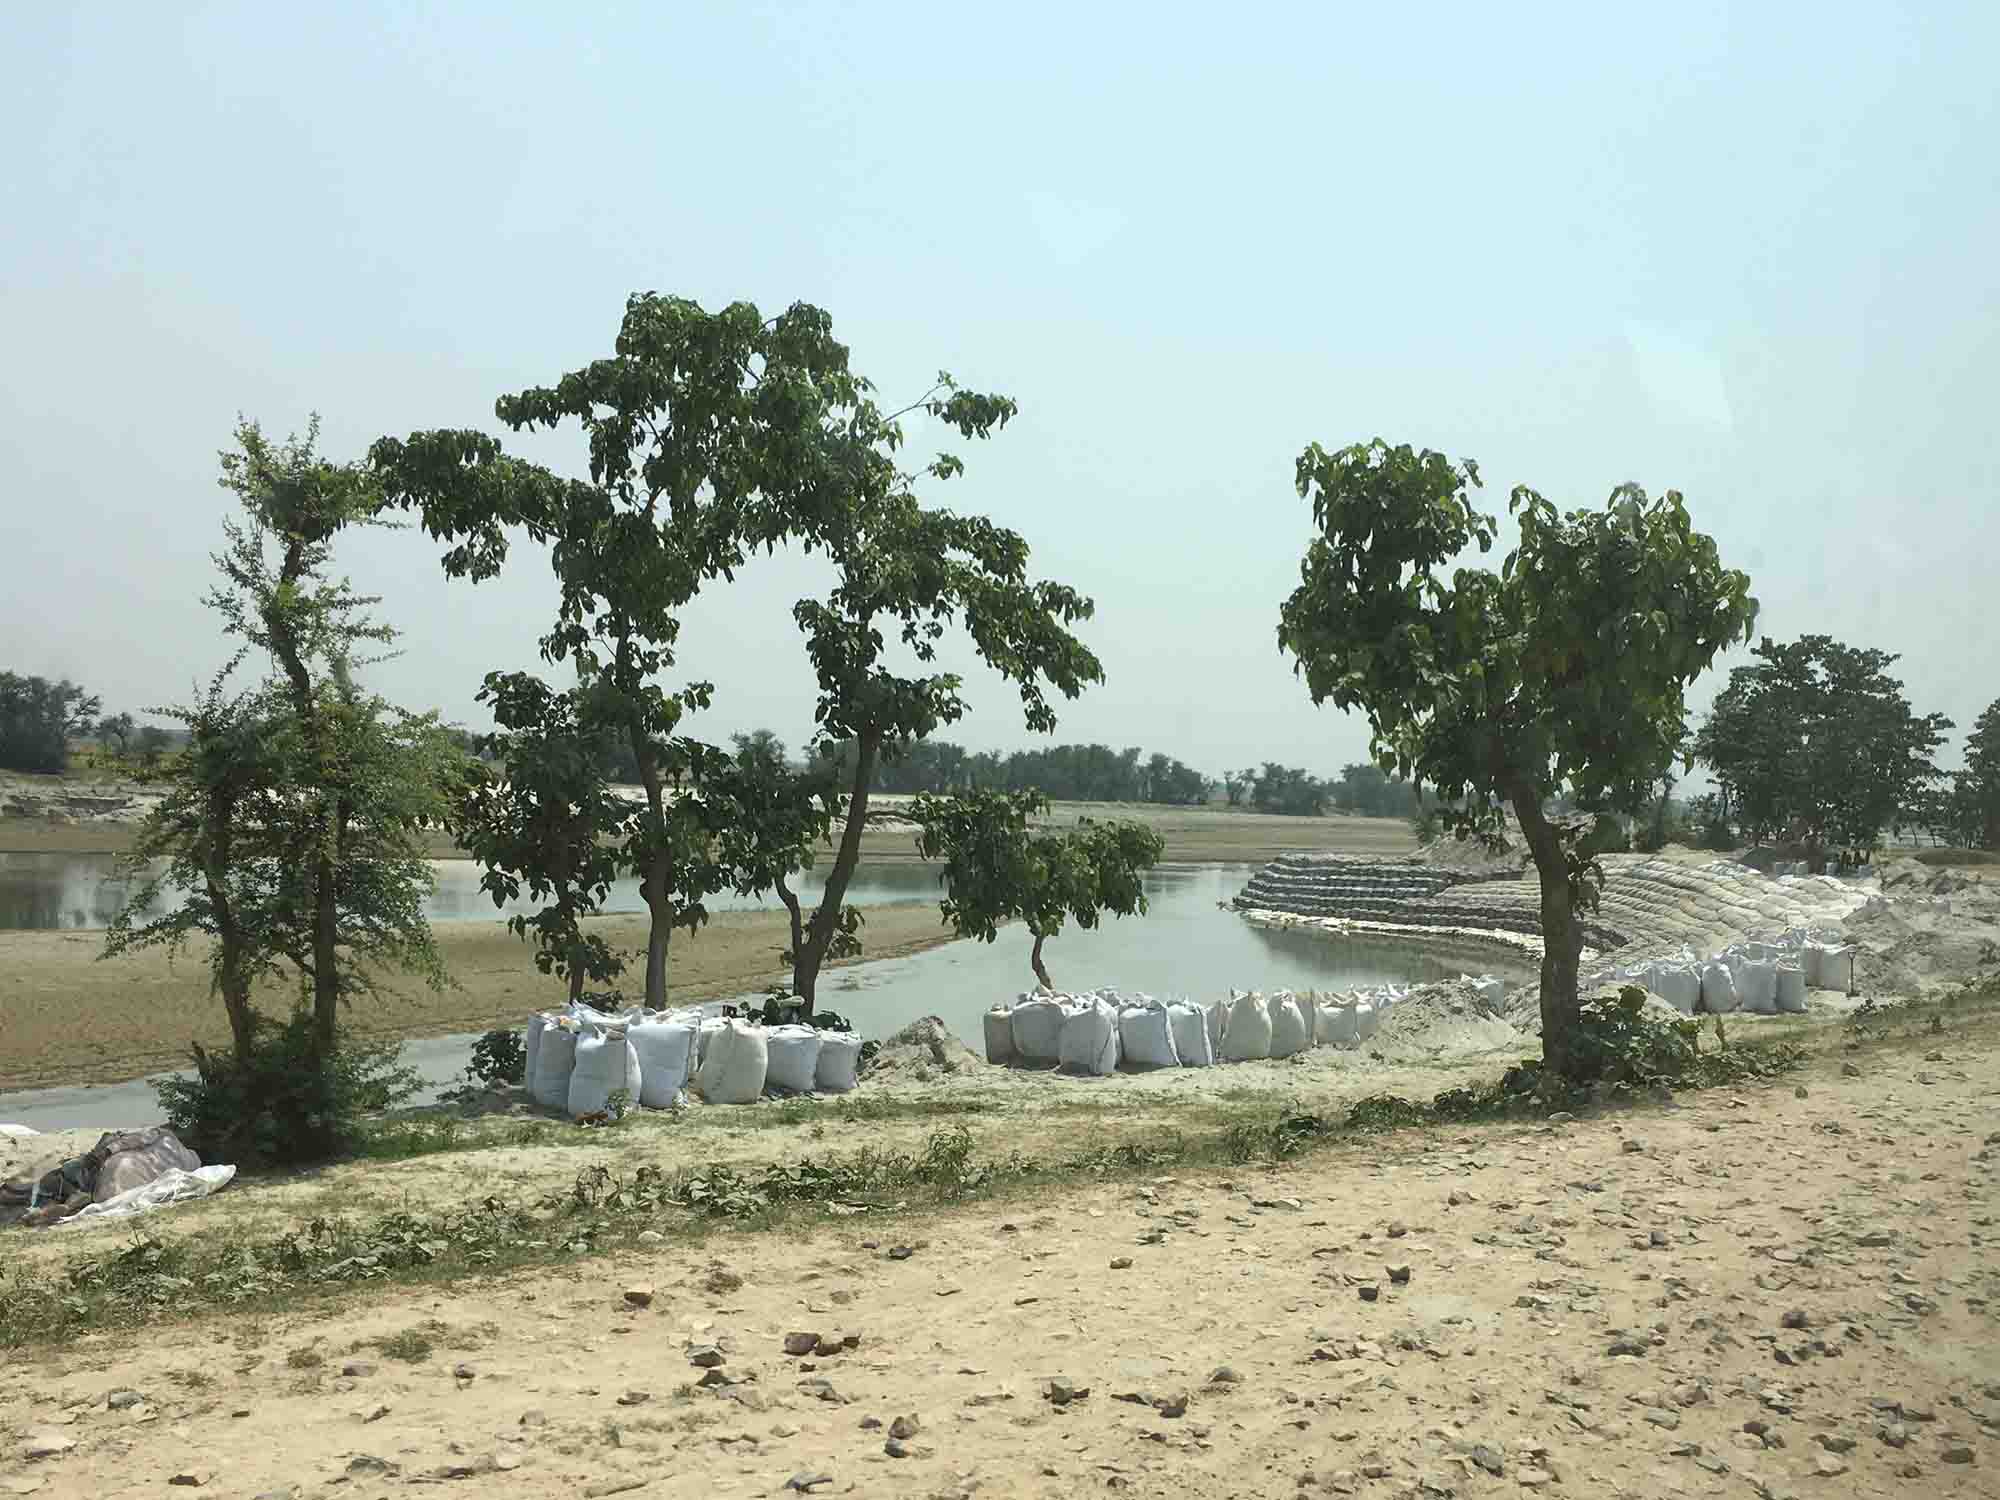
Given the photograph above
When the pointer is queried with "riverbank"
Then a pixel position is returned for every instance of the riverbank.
(71, 1019)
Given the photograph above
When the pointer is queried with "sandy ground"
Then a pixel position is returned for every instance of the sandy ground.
(1760, 1293)
(66, 1018)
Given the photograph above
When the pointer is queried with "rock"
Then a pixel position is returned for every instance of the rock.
(904, 1427)
(802, 1343)
(46, 1445)
(1660, 1417)
(1630, 1147)
(1368, 1291)
(1533, 1478)
(192, 1478)
(357, 1369)
(1849, 1070)
(1656, 1239)
(900, 1252)
(121, 1399)
(1123, 1262)
(871, 1424)
(1793, 1319)
(1834, 1442)
(1224, 1375)
(1171, 1406)
(704, 1356)
(1636, 1348)
(1399, 1274)
(806, 1483)
(651, 1237)
(1827, 1466)
(1895, 1434)
(1060, 1392)
(635, 1398)
(1957, 1453)
(1486, 1458)
(1800, 1092)
(534, 1417)
(895, 1448)
(640, 1296)
(463, 1372)
(374, 1414)
(1398, 1229)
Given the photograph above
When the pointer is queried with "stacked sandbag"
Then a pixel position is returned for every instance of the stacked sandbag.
(606, 1063)
(733, 1064)
(555, 1060)
(1677, 984)
(1037, 1026)
(1290, 1031)
(666, 1048)
(1718, 988)
(1757, 984)
(838, 1066)
(999, 1028)
(1189, 1023)
(1790, 995)
(531, 1046)
(1215, 1016)
(792, 1058)
(1146, 1036)
(1089, 1042)
(1335, 1024)
(1246, 1034)
(1367, 1017)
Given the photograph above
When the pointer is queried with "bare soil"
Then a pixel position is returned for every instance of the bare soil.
(68, 1018)
(1767, 1292)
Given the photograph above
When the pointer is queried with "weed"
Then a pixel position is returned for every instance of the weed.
(304, 1359)
(412, 1346)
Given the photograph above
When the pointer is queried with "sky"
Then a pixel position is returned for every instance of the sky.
(1750, 252)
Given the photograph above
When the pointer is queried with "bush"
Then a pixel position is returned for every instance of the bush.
(277, 1107)
(499, 1057)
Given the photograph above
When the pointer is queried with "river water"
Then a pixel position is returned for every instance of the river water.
(1189, 943)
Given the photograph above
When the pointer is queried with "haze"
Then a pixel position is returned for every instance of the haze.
(1750, 253)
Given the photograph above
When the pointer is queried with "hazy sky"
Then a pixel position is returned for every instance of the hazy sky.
(1749, 252)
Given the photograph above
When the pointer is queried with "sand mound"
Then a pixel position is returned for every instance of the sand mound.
(1443, 1021)
(924, 1050)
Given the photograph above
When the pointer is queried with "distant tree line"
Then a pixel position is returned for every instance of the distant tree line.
(40, 719)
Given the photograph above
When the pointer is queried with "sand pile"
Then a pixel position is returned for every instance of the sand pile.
(1444, 1022)
(924, 1051)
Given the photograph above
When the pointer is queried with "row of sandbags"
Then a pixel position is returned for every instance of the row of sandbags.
(1096, 1032)
(1763, 978)
(579, 1057)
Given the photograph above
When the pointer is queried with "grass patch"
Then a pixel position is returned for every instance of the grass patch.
(412, 1346)
(304, 1358)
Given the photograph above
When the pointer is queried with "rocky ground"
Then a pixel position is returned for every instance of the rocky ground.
(1772, 1292)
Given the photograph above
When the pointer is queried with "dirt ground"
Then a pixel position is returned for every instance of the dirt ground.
(67, 1018)
(1770, 1292)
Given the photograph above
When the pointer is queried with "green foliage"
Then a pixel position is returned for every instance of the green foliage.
(997, 870)
(38, 718)
(1289, 790)
(499, 1057)
(1814, 742)
(1565, 669)
(284, 1101)
(1623, 1042)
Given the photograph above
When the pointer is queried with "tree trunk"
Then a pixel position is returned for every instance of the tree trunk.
(1562, 942)
(655, 887)
(811, 954)
(1041, 971)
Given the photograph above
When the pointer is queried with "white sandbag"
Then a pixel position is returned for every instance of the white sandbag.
(666, 1048)
(1335, 1025)
(839, 1066)
(1037, 1026)
(1215, 1015)
(1718, 988)
(606, 1062)
(732, 1068)
(17, 1132)
(999, 1023)
(1367, 1017)
(1189, 1023)
(1677, 984)
(1757, 986)
(1246, 1034)
(1827, 966)
(1493, 990)
(531, 1046)
(1289, 1031)
(1790, 995)
(149, 1154)
(555, 1059)
(706, 1031)
(170, 1187)
(792, 1058)
(604, 1020)
(1146, 1037)
(1090, 1038)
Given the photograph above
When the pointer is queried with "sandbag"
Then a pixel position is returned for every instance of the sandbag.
(1336, 1025)
(1677, 984)
(1492, 989)
(1146, 1037)
(555, 1059)
(606, 1062)
(1718, 988)
(1189, 1024)
(1757, 986)
(1289, 1031)
(732, 1067)
(531, 1045)
(1367, 1017)
(1246, 1035)
(838, 1067)
(666, 1059)
(706, 1031)
(1215, 1016)
(1037, 1026)
(603, 1020)
(1827, 966)
(1089, 1041)
(792, 1058)
(999, 1023)
(1790, 994)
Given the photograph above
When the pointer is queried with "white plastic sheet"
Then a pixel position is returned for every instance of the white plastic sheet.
(170, 1187)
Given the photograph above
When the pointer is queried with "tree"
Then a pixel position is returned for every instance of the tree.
(710, 435)
(1977, 787)
(996, 870)
(1567, 668)
(118, 729)
(153, 742)
(1288, 789)
(1236, 785)
(38, 718)
(548, 820)
(1814, 741)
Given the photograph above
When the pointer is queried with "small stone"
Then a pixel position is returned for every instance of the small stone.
(463, 1372)
(639, 1296)
(1398, 1229)
(1793, 1319)
(871, 1424)
(806, 1483)
(1486, 1458)
(635, 1398)
(1656, 1239)
(1061, 1392)
(1224, 1375)
(904, 1427)
(1800, 1092)
(1849, 1070)
(46, 1445)
(651, 1237)
(802, 1343)
(895, 1448)
(1660, 1417)
(1756, 1427)
(1368, 1291)
(357, 1369)
(533, 1417)
(374, 1414)
(1636, 1348)
(1121, 1263)
(1631, 1147)
(1895, 1434)
(120, 1400)
(1533, 1478)
(1827, 1466)
(192, 1478)
(1958, 1453)
(1834, 1442)
(704, 1356)
(1399, 1274)
(900, 1252)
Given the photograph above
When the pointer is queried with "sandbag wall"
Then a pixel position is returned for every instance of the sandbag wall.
(577, 1058)
(1760, 978)
(1100, 1031)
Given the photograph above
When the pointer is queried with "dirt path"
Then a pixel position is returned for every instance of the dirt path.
(1611, 1307)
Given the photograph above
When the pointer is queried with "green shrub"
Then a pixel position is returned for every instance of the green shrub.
(499, 1057)
(278, 1106)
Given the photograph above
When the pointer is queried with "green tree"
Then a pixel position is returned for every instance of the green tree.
(38, 718)
(1566, 668)
(998, 870)
(1290, 790)
(1814, 741)
(116, 733)
(548, 821)
(1977, 787)
(153, 743)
